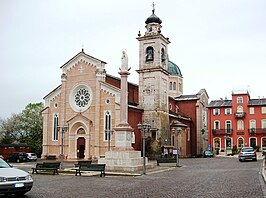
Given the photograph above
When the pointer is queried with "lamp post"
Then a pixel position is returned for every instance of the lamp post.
(144, 128)
(64, 129)
(225, 144)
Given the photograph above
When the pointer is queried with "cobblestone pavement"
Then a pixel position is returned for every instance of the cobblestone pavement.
(198, 177)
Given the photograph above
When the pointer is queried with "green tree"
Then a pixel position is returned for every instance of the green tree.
(31, 127)
(9, 129)
(25, 127)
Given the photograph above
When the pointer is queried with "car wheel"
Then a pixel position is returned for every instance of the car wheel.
(18, 160)
(240, 160)
(255, 159)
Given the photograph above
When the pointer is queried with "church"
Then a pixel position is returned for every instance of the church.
(80, 115)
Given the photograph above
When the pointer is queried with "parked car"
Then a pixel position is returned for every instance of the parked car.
(32, 157)
(17, 157)
(207, 154)
(247, 153)
(13, 180)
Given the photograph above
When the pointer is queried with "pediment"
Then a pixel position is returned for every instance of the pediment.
(79, 118)
(114, 91)
(85, 58)
(52, 95)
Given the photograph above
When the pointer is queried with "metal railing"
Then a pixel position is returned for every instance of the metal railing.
(253, 131)
(222, 131)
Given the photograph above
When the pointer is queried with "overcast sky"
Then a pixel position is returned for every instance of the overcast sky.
(219, 45)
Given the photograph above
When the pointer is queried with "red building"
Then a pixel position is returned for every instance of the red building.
(238, 122)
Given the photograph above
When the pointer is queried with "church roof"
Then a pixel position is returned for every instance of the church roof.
(82, 53)
(173, 69)
(153, 19)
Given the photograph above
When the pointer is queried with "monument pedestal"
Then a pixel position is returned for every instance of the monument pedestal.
(123, 158)
(124, 161)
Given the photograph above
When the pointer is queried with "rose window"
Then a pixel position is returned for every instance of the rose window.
(82, 97)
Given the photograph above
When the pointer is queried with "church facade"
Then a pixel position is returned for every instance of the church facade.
(81, 113)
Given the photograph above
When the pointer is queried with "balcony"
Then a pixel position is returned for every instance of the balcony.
(257, 131)
(222, 131)
(240, 115)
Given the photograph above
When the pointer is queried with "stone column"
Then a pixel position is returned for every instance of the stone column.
(123, 130)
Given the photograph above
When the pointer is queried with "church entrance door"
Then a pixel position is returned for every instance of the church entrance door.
(81, 147)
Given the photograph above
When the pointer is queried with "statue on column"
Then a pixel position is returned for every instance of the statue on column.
(124, 62)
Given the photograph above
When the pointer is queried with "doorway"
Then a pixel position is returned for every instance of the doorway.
(81, 147)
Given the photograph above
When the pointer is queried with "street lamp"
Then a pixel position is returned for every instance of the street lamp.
(225, 144)
(144, 128)
(64, 129)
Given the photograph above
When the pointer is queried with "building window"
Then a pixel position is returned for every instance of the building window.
(174, 85)
(170, 85)
(240, 125)
(107, 125)
(216, 124)
(263, 110)
(163, 57)
(251, 110)
(263, 124)
(252, 124)
(228, 111)
(239, 100)
(240, 142)
(176, 109)
(149, 53)
(253, 142)
(180, 85)
(170, 107)
(217, 143)
(55, 128)
(239, 109)
(216, 111)
(133, 138)
(228, 125)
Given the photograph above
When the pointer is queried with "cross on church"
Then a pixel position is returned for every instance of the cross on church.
(153, 6)
(81, 69)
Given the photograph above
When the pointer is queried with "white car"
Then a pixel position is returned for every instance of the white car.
(14, 181)
(32, 157)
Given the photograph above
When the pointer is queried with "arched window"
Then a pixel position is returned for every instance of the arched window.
(252, 125)
(239, 109)
(163, 55)
(80, 131)
(107, 125)
(174, 85)
(149, 53)
(240, 142)
(217, 143)
(228, 125)
(55, 128)
(170, 85)
(240, 125)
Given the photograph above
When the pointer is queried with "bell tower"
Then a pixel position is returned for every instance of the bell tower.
(153, 77)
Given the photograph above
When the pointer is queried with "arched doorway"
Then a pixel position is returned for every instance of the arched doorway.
(81, 147)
